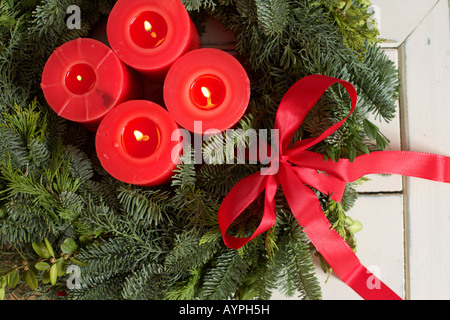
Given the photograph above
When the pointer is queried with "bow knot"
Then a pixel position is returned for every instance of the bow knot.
(286, 168)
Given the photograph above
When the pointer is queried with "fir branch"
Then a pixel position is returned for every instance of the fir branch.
(298, 269)
(226, 274)
(147, 207)
(187, 289)
(147, 283)
(273, 16)
(188, 253)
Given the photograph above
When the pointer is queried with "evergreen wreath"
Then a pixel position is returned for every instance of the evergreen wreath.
(59, 208)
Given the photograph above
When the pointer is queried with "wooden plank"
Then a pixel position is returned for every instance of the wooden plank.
(379, 244)
(400, 17)
(427, 82)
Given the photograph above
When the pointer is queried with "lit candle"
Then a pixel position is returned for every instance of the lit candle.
(136, 142)
(207, 85)
(150, 35)
(83, 79)
(207, 92)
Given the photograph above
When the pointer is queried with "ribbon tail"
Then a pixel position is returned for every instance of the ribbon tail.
(306, 208)
(406, 163)
(239, 198)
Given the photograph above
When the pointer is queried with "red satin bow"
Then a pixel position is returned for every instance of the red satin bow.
(299, 167)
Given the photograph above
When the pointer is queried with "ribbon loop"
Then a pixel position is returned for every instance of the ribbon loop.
(305, 93)
(239, 198)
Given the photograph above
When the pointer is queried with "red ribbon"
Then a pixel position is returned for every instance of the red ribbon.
(299, 167)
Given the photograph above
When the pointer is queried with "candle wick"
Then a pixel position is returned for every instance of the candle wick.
(206, 92)
(141, 137)
(207, 95)
(147, 26)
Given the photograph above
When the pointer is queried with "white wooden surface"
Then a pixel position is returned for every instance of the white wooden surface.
(418, 30)
(427, 69)
(406, 221)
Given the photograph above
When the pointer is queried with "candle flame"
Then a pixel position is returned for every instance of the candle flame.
(206, 92)
(79, 78)
(148, 26)
(140, 136)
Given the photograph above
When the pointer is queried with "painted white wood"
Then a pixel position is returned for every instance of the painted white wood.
(379, 245)
(427, 52)
(400, 17)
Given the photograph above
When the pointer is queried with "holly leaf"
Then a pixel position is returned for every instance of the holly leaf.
(31, 279)
(4, 270)
(42, 266)
(68, 246)
(330, 154)
(49, 247)
(382, 141)
(363, 147)
(60, 267)
(370, 129)
(53, 274)
(46, 277)
(351, 153)
(13, 278)
(41, 250)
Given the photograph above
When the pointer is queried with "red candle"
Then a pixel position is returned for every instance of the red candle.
(149, 35)
(137, 141)
(83, 79)
(207, 85)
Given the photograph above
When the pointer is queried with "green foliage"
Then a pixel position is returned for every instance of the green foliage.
(46, 267)
(354, 20)
(272, 15)
(58, 206)
(298, 270)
